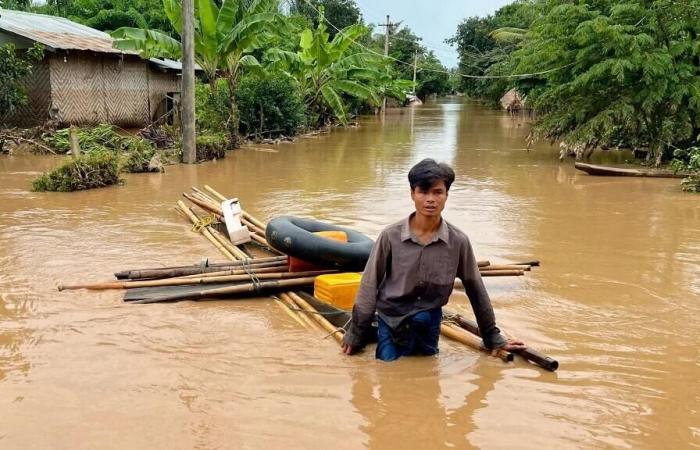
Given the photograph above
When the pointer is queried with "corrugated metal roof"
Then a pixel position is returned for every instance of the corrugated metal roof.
(56, 32)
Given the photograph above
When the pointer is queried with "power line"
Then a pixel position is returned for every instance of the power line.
(464, 75)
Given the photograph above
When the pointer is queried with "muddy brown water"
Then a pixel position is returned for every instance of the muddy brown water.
(616, 301)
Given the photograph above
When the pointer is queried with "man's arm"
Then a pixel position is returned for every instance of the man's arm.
(468, 272)
(366, 299)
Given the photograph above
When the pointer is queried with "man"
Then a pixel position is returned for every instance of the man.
(410, 275)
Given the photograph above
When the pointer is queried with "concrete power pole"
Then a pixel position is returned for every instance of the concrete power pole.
(415, 65)
(189, 149)
(388, 26)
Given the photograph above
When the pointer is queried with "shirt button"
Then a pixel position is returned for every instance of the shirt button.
(419, 298)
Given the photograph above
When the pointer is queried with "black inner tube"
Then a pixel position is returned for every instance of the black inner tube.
(294, 236)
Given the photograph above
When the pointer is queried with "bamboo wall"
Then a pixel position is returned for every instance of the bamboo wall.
(88, 88)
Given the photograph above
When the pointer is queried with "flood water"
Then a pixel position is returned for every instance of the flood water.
(616, 301)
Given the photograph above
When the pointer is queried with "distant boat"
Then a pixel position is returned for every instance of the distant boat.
(593, 169)
(413, 99)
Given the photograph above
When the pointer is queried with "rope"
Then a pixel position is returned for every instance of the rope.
(253, 277)
(203, 223)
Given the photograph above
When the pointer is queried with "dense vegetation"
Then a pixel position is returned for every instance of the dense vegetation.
(605, 72)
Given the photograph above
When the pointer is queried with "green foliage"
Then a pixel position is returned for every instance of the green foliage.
(19, 5)
(269, 106)
(325, 71)
(95, 138)
(485, 44)
(134, 154)
(14, 66)
(211, 145)
(431, 76)
(688, 160)
(213, 109)
(98, 168)
(109, 15)
(623, 69)
(341, 13)
(227, 36)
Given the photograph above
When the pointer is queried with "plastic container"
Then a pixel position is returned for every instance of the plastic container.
(337, 289)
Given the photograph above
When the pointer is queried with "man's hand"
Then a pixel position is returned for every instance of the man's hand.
(348, 349)
(512, 345)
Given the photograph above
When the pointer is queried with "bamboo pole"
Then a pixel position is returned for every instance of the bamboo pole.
(247, 216)
(483, 263)
(501, 273)
(231, 290)
(470, 340)
(293, 306)
(235, 251)
(204, 205)
(205, 195)
(178, 271)
(193, 218)
(337, 333)
(530, 354)
(291, 313)
(255, 269)
(505, 267)
(191, 281)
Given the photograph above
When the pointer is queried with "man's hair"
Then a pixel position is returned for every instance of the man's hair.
(427, 172)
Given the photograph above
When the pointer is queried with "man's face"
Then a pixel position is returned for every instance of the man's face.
(432, 201)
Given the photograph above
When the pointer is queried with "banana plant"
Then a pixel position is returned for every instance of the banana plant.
(326, 70)
(224, 38)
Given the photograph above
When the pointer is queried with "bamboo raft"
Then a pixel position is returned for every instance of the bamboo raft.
(257, 269)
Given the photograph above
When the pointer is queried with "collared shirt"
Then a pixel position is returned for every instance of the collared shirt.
(404, 276)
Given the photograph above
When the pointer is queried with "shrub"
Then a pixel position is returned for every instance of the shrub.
(688, 160)
(95, 169)
(138, 157)
(213, 109)
(211, 146)
(269, 106)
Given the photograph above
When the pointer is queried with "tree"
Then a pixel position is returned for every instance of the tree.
(341, 13)
(108, 15)
(14, 66)
(325, 71)
(620, 71)
(20, 5)
(225, 39)
(487, 42)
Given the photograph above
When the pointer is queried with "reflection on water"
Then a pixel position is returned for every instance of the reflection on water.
(615, 301)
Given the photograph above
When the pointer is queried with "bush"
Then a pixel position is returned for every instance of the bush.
(138, 157)
(213, 109)
(688, 160)
(269, 106)
(211, 146)
(98, 168)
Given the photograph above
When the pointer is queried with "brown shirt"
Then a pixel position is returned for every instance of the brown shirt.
(404, 277)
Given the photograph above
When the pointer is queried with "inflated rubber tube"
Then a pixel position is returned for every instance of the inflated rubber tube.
(294, 236)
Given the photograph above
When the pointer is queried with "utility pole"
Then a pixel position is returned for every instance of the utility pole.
(388, 26)
(189, 149)
(415, 65)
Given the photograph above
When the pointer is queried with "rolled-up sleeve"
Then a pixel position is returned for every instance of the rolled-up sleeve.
(366, 299)
(468, 272)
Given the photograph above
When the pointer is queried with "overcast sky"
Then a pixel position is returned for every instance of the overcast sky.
(433, 20)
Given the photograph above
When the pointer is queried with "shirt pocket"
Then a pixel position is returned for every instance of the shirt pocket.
(443, 270)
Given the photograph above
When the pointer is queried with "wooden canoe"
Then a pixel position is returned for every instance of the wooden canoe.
(593, 169)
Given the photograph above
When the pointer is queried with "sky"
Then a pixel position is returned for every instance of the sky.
(432, 20)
